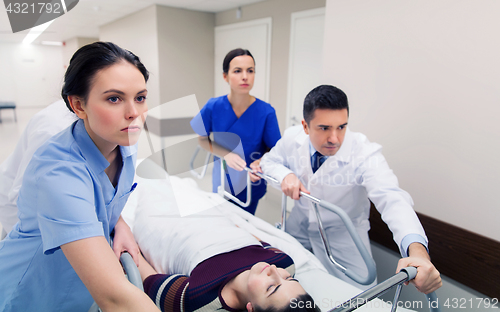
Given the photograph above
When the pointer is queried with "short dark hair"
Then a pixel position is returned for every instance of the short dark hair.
(303, 303)
(324, 97)
(90, 59)
(231, 55)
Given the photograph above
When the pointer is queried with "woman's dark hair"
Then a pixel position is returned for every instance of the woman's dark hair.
(90, 59)
(303, 303)
(324, 97)
(231, 55)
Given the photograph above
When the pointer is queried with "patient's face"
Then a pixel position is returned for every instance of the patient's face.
(271, 286)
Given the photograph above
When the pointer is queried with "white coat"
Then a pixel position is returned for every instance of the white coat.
(41, 127)
(356, 174)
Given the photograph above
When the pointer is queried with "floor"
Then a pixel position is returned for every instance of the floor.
(269, 208)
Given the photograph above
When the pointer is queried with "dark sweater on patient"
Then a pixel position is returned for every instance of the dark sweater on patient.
(202, 289)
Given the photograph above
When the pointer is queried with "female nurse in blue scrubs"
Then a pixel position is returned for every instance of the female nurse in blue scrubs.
(58, 256)
(243, 126)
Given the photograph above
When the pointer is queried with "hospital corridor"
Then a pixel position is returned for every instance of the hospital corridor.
(249, 155)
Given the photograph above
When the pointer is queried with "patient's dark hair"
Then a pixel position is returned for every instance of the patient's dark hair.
(324, 97)
(231, 55)
(303, 303)
(90, 59)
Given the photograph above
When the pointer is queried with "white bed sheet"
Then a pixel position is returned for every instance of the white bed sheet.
(164, 198)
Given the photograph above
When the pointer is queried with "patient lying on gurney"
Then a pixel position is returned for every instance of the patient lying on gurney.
(209, 260)
(257, 277)
(253, 278)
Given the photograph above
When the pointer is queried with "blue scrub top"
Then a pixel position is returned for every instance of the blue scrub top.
(257, 129)
(65, 196)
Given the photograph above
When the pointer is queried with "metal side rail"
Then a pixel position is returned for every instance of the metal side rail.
(406, 274)
(221, 190)
(370, 264)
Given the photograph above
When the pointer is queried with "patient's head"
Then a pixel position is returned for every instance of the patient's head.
(274, 289)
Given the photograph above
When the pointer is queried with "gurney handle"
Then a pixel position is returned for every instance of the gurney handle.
(220, 190)
(132, 273)
(406, 274)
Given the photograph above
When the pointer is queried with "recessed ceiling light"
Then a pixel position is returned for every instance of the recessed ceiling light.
(52, 43)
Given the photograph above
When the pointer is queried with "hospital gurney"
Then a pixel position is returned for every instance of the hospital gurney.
(397, 280)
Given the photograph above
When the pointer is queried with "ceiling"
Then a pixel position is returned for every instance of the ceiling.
(84, 20)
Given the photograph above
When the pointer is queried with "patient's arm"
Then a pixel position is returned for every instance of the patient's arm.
(145, 269)
(428, 278)
(99, 269)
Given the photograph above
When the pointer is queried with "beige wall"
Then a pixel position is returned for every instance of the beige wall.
(422, 80)
(138, 32)
(177, 47)
(280, 11)
(71, 45)
(186, 53)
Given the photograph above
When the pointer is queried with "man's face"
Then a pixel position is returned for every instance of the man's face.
(327, 129)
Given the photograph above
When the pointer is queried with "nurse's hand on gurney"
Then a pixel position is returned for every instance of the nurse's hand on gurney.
(100, 271)
(255, 166)
(428, 278)
(234, 161)
(292, 186)
(124, 241)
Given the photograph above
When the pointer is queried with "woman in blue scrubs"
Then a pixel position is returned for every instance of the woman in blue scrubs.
(58, 256)
(243, 127)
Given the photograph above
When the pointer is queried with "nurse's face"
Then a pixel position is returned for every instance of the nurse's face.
(116, 108)
(271, 286)
(327, 129)
(241, 74)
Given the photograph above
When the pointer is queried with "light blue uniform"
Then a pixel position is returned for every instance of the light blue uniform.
(65, 196)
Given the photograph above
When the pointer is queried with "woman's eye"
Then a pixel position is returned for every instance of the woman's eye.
(250, 71)
(141, 98)
(114, 99)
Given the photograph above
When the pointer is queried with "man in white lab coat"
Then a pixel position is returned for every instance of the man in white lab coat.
(45, 124)
(324, 158)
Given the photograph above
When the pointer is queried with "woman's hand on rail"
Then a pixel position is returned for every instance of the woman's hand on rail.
(100, 271)
(124, 241)
(255, 166)
(292, 186)
(235, 161)
(428, 278)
